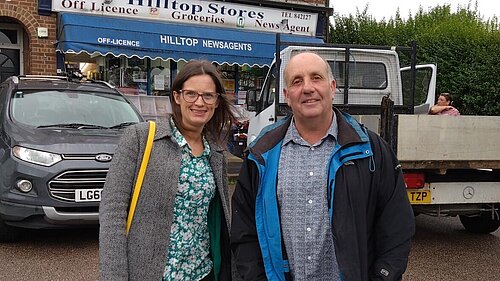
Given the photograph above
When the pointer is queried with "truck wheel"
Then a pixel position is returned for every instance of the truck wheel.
(483, 223)
(8, 233)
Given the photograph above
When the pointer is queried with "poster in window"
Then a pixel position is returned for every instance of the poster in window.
(159, 82)
(242, 96)
(228, 84)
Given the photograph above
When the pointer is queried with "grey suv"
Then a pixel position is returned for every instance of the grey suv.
(57, 138)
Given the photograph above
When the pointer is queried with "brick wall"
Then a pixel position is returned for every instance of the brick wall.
(39, 53)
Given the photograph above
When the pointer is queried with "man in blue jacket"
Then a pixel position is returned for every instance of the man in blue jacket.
(319, 197)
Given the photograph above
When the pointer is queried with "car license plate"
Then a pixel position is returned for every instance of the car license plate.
(88, 195)
(419, 196)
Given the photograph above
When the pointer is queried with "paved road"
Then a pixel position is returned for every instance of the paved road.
(441, 250)
(51, 255)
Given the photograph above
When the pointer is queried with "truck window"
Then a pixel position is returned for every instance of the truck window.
(422, 82)
(362, 75)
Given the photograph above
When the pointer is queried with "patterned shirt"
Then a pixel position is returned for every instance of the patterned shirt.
(189, 246)
(302, 197)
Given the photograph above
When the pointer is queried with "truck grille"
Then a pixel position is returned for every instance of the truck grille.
(64, 185)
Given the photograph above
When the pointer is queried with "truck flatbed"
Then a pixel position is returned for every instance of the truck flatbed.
(453, 142)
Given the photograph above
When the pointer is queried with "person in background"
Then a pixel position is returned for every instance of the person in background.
(444, 106)
(319, 197)
(180, 230)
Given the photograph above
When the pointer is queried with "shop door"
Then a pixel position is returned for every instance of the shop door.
(9, 63)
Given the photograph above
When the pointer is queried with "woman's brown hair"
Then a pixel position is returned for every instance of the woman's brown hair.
(219, 125)
(448, 97)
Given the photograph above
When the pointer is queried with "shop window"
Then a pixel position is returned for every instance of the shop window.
(250, 79)
(131, 76)
(229, 75)
(113, 71)
(128, 75)
(160, 77)
(73, 70)
(135, 76)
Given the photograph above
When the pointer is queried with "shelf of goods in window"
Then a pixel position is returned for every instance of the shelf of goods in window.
(247, 80)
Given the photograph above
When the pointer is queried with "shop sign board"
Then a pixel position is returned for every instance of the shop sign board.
(121, 36)
(211, 13)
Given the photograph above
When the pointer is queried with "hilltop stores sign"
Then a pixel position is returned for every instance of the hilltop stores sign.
(206, 13)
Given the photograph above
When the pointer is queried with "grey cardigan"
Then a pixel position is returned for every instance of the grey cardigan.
(143, 254)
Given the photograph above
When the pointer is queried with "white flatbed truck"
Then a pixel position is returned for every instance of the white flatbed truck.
(451, 164)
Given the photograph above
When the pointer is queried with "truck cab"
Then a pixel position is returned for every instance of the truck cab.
(364, 76)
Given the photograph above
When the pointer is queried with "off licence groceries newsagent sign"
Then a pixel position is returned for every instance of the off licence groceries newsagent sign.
(214, 13)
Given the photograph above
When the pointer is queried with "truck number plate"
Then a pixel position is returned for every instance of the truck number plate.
(419, 196)
(88, 195)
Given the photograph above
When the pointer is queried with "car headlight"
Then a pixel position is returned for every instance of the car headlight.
(35, 156)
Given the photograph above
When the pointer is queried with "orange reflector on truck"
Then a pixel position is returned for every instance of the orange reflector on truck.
(414, 180)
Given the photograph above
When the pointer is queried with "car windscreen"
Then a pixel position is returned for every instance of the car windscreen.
(50, 107)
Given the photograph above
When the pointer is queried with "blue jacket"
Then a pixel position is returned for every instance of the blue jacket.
(365, 188)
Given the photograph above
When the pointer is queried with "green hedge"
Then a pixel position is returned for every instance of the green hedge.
(464, 46)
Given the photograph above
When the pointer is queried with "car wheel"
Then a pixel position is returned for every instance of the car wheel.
(8, 233)
(483, 223)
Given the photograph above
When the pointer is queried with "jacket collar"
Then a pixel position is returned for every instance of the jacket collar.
(349, 132)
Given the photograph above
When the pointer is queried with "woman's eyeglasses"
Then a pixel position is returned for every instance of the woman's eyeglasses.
(192, 96)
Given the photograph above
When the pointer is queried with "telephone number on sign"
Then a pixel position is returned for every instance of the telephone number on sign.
(302, 16)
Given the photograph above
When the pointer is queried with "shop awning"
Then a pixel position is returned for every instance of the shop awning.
(106, 35)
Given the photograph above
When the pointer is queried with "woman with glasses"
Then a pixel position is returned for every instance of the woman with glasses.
(180, 229)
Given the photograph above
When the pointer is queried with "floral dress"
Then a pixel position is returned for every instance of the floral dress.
(189, 245)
